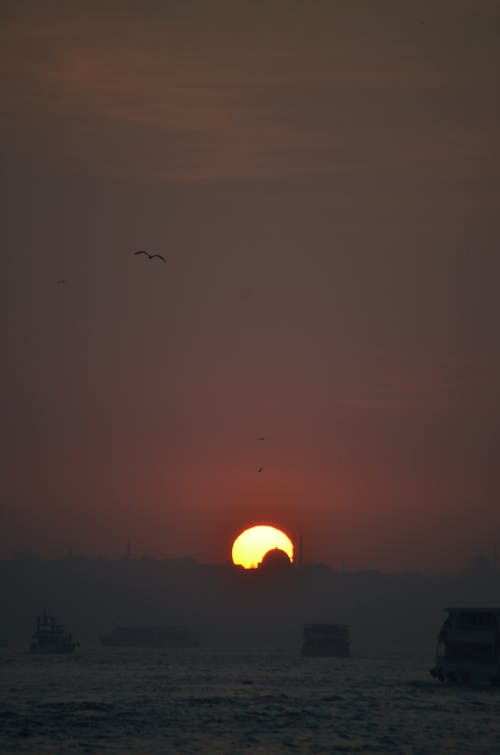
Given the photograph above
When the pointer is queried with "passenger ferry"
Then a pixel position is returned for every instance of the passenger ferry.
(136, 635)
(468, 646)
(326, 639)
(50, 637)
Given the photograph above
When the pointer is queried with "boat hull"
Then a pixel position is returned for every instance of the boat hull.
(466, 672)
(150, 636)
(315, 652)
(109, 641)
(326, 640)
(51, 650)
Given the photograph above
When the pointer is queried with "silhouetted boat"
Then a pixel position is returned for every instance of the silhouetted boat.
(326, 640)
(137, 635)
(50, 637)
(468, 646)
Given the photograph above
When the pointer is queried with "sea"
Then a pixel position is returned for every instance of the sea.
(109, 700)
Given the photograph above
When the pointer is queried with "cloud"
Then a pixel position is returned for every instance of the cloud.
(189, 94)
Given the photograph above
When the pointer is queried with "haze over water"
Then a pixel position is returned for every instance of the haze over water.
(246, 687)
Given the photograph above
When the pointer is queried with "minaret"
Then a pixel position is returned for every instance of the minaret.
(300, 554)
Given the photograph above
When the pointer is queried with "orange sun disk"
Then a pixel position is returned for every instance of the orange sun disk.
(252, 544)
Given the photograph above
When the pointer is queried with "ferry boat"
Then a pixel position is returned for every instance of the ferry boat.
(468, 646)
(326, 640)
(136, 635)
(50, 637)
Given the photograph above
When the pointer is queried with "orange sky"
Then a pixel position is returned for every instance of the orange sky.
(323, 179)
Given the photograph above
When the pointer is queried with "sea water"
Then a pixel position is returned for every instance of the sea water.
(118, 701)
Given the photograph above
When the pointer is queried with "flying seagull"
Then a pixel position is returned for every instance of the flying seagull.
(150, 256)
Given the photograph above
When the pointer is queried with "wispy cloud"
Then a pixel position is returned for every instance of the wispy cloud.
(191, 99)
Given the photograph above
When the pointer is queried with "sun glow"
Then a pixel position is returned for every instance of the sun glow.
(251, 546)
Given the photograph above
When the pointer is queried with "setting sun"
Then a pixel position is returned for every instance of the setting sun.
(251, 546)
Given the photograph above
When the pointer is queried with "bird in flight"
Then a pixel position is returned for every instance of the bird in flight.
(262, 437)
(61, 280)
(259, 469)
(150, 256)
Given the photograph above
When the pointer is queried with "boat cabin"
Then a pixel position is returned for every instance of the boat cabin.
(468, 644)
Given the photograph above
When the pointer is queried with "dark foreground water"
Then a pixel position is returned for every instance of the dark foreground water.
(120, 702)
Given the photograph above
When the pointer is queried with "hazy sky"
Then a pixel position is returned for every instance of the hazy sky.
(323, 179)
